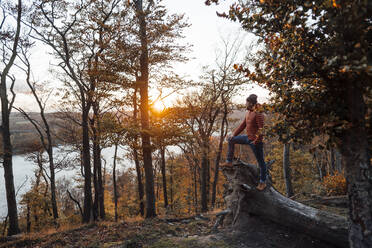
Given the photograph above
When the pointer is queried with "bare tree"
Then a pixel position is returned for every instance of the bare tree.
(9, 53)
(56, 31)
(225, 80)
(43, 128)
(80, 38)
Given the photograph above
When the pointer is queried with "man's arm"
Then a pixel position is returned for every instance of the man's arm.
(260, 124)
(240, 128)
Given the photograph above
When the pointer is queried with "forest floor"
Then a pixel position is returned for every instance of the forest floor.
(162, 233)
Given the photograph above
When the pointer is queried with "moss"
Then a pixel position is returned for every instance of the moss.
(112, 244)
(218, 244)
(186, 243)
(165, 243)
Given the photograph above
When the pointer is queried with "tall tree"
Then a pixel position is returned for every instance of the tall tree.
(315, 62)
(55, 23)
(154, 34)
(144, 109)
(9, 52)
(136, 157)
(199, 115)
(81, 38)
(103, 25)
(44, 130)
(287, 170)
(225, 80)
(165, 132)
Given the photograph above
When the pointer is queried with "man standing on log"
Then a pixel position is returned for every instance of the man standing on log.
(253, 123)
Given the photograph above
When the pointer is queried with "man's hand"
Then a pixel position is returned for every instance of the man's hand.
(229, 137)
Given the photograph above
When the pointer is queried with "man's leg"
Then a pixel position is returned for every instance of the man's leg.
(240, 139)
(258, 152)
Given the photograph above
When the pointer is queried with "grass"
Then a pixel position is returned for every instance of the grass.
(143, 233)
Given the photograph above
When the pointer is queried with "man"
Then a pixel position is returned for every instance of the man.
(253, 123)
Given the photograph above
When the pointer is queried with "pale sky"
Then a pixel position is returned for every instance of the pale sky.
(204, 35)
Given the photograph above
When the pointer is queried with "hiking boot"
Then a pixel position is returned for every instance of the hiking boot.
(261, 186)
(227, 165)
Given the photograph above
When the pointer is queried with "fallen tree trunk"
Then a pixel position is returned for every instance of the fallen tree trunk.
(334, 201)
(245, 204)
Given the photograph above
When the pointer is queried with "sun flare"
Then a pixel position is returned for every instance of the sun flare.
(159, 106)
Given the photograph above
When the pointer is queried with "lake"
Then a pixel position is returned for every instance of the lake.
(23, 171)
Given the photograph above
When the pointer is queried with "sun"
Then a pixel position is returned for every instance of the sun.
(158, 106)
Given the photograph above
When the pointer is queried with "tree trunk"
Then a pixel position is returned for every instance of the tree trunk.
(53, 183)
(101, 193)
(114, 182)
(156, 184)
(318, 163)
(98, 161)
(88, 210)
(99, 205)
(333, 162)
(144, 108)
(163, 174)
(338, 160)
(354, 152)
(208, 179)
(287, 171)
(100, 190)
(28, 217)
(246, 205)
(95, 181)
(136, 159)
(49, 149)
(218, 156)
(195, 190)
(139, 183)
(203, 199)
(171, 185)
(9, 180)
(95, 177)
(7, 146)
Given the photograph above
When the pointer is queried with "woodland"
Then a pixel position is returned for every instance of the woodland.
(163, 186)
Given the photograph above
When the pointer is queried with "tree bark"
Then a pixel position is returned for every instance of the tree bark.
(95, 178)
(245, 205)
(163, 174)
(195, 189)
(114, 182)
(218, 156)
(171, 185)
(203, 199)
(338, 158)
(354, 152)
(144, 108)
(88, 210)
(7, 146)
(287, 171)
(28, 217)
(136, 159)
(332, 161)
(99, 189)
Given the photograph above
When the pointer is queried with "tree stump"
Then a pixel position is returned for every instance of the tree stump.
(245, 204)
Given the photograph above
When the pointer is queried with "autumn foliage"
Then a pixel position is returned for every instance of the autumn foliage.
(335, 184)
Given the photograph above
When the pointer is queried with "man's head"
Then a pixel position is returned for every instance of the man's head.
(251, 101)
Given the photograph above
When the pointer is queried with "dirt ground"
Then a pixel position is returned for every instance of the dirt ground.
(160, 233)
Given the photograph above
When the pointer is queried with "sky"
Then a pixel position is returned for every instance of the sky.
(205, 34)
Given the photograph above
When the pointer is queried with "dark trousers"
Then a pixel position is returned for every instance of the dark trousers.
(257, 151)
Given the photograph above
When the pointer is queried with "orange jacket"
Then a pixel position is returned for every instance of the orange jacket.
(253, 124)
